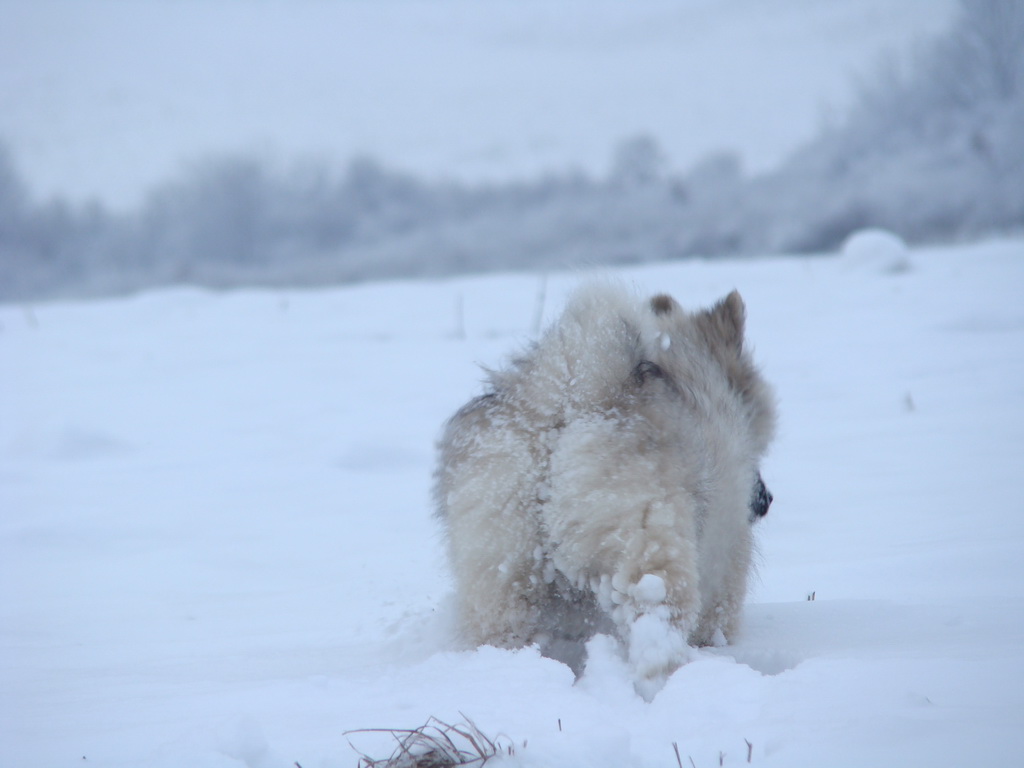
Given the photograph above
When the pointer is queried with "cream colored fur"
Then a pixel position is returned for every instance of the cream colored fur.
(604, 482)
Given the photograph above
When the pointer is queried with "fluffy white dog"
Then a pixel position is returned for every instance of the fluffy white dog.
(608, 482)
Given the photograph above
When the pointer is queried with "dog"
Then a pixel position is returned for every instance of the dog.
(608, 482)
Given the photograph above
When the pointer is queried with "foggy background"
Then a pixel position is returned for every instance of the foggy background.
(244, 142)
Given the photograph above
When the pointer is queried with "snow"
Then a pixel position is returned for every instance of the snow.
(217, 549)
(108, 98)
(878, 250)
(650, 589)
(216, 542)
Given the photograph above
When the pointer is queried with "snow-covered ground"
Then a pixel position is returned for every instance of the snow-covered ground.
(108, 98)
(216, 546)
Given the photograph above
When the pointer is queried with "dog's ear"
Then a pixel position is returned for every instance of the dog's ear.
(663, 304)
(723, 323)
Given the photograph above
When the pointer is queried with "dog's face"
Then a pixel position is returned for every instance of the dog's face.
(711, 340)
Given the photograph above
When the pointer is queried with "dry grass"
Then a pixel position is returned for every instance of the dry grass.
(435, 744)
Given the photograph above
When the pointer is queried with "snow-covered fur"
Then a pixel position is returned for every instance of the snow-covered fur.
(605, 483)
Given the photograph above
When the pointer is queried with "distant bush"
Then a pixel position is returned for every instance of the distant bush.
(234, 221)
(932, 150)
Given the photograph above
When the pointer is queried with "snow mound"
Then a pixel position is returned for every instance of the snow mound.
(877, 250)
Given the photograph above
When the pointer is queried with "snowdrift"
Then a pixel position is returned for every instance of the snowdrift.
(216, 546)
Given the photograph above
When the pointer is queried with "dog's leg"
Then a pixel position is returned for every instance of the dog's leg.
(618, 525)
(725, 555)
(487, 496)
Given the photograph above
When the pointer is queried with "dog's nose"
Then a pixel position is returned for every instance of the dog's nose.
(760, 499)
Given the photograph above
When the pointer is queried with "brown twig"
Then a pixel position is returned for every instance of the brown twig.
(435, 744)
